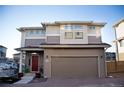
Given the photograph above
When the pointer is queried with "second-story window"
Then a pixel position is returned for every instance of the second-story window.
(31, 32)
(92, 27)
(68, 35)
(36, 33)
(73, 27)
(78, 35)
(77, 27)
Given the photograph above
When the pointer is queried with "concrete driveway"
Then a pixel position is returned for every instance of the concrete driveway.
(116, 81)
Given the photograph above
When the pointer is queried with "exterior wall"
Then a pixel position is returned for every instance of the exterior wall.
(53, 39)
(53, 35)
(94, 39)
(119, 30)
(52, 30)
(23, 35)
(74, 52)
(73, 41)
(34, 42)
(56, 35)
(94, 36)
(120, 34)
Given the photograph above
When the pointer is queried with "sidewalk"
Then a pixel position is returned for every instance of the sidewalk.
(26, 78)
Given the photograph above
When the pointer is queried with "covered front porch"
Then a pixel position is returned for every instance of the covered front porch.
(31, 60)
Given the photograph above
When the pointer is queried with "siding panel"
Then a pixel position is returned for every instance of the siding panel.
(34, 42)
(53, 39)
(94, 39)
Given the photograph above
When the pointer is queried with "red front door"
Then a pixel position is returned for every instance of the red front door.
(34, 63)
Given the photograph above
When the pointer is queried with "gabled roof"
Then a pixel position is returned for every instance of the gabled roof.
(120, 21)
(74, 22)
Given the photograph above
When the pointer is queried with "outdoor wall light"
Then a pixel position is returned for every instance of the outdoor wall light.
(34, 53)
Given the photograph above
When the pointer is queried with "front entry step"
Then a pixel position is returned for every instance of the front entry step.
(26, 78)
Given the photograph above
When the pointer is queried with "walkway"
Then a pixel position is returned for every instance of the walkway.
(26, 78)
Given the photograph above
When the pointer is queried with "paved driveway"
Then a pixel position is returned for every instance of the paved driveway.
(116, 81)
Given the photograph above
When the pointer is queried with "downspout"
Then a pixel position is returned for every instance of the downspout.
(117, 53)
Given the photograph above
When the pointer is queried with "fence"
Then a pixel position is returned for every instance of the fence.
(115, 67)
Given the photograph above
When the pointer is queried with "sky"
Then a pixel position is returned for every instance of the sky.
(12, 17)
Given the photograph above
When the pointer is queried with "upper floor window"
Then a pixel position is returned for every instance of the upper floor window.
(92, 27)
(35, 33)
(73, 35)
(121, 43)
(73, 27)
(68, 35)
(78, 35)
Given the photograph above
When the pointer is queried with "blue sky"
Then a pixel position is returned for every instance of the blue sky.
(12, 17)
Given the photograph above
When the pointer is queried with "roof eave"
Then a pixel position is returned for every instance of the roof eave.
(116, 24)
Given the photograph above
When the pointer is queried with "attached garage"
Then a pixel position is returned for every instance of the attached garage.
(77, 67)
(74, 61)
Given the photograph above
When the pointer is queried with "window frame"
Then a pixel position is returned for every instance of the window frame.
(73, 27)
(92, 27)
(68, 37)
(78, 36)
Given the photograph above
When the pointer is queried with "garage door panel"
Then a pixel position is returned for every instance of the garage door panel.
(74, 67)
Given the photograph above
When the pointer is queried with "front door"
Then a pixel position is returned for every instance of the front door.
(34, 62)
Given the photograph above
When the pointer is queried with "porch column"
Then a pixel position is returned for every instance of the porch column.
(20, 62)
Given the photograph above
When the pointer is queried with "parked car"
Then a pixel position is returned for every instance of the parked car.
(8, 70)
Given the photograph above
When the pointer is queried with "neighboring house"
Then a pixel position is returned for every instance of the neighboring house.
(119, 34)
(16, 57)
(2, 52)
(110, 56)
(64, 49)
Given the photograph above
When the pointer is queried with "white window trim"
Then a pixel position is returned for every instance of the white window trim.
(52, 34)
(92, 35)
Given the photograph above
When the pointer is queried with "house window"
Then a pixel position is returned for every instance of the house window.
(31, 32)
(78, 35)
(77, 27)
(92, 27)
(38, 32)
(68, 35)
(67, 27)
(121, 43)
(73, 27)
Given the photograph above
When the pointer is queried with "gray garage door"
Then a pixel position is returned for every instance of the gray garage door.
(74, 67)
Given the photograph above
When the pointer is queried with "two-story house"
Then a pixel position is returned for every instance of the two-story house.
(64, 49)
(119, 35)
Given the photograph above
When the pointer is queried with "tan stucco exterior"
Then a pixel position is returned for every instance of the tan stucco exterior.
(119, 33)
(52, 30)
(98, 53)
